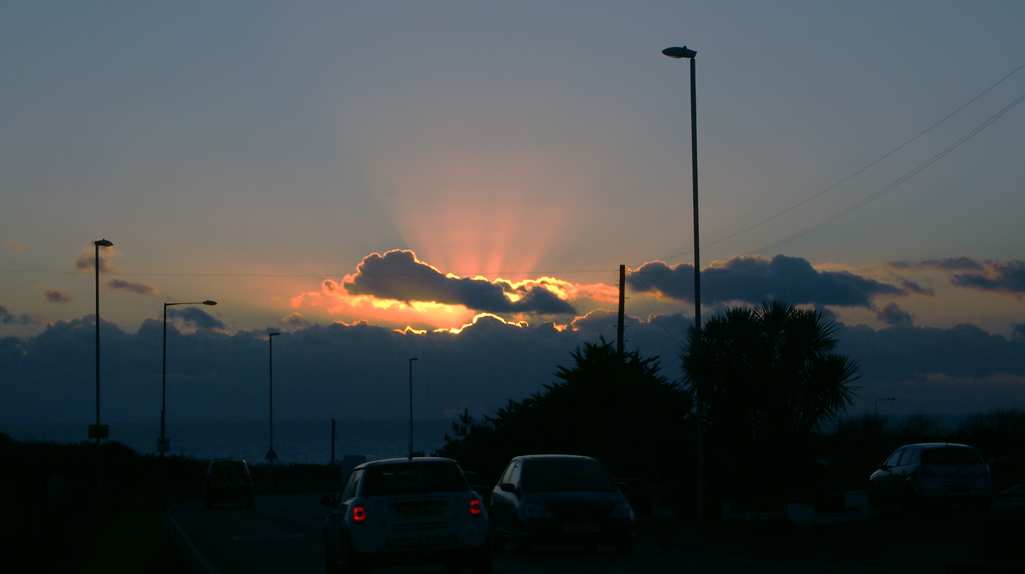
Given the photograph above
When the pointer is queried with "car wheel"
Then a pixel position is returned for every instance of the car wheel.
(520, 542)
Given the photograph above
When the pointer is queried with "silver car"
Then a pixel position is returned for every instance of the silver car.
(933, 471)
(407, 512)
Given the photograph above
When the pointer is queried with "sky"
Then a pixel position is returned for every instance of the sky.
(460, 183)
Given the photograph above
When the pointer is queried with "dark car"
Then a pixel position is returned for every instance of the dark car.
(561, 500)
(407, 511)
(939, 471)
(227, 481)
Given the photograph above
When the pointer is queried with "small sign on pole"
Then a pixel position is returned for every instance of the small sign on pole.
(99, 431)
(163, 445)
(271, 455)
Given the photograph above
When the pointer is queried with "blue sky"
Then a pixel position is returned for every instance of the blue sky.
(258, 154)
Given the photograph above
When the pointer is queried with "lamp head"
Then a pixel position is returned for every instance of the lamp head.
(209, 302)
(102, 243)
(273, 335)
(678, 53)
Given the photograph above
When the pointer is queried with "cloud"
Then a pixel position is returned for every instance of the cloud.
(754, 279)
(916, 289)
(15, 245)
(360, 371)
(122, 285)
(399, 276)
(58, 296)
(87, 261)
(196, 317)
(295, 320)
(1006, 277)
(893, 315)
(8, 318)
(959, 263)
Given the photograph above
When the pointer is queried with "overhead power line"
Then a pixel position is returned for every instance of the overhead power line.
(899, 181)
(851, 176)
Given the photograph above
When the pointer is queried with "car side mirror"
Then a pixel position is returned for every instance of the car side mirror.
(508, 487)
(329, 500)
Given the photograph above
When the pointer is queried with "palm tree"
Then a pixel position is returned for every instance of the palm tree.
(767, 376)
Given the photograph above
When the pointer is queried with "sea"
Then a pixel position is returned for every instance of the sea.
(295, 442)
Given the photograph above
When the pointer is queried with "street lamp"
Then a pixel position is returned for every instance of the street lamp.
(271, 455)
(411, 406)
(164, 445)
(689, 54)
(876, 405)
(98, 433)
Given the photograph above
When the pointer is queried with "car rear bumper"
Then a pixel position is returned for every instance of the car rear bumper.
(555, 533)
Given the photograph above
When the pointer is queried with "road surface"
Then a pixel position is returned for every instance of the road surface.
(282, 533)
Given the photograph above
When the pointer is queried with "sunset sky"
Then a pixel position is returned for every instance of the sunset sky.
(331, 168)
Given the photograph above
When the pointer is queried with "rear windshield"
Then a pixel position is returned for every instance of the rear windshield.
(229, 468)
(559, 475)
(951, 455)
(413, 478)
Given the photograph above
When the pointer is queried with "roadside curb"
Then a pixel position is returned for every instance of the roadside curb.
(196, 561)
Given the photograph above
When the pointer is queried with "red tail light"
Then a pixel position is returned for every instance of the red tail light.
(475, 507)
(359, 514)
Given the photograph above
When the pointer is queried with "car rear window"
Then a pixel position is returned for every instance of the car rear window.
(559, 475)
(229, 468)
(413, 478)
(951, 455)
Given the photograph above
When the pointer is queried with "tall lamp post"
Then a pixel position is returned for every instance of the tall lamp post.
(271, 455)
(98, 432)
(97, 244)
(164, 444)
(689, 54)
(411, 406)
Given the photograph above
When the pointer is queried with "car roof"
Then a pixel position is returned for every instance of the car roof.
(414, 460)
(553, 457)
(928, 445)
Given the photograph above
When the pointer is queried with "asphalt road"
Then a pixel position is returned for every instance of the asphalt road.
(282, 533)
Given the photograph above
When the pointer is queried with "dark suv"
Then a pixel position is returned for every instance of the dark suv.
(561, 500)
(227, 480)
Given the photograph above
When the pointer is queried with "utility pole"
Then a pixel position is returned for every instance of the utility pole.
(619, 371)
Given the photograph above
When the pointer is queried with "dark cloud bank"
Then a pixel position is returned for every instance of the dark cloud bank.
(756, 279)
(398, 275)
(361, 371)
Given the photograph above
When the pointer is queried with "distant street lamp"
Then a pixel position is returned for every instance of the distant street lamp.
(689, 54)
(164, 444)
(271, 455)
(876, 405)
(98, 432)
(411, 406)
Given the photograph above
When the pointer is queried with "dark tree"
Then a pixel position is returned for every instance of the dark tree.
(768, 376)
(623, 413)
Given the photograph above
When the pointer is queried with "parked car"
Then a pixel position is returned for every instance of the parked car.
(407, 511)
(933, 471)
(560, 500)
(227, 480)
